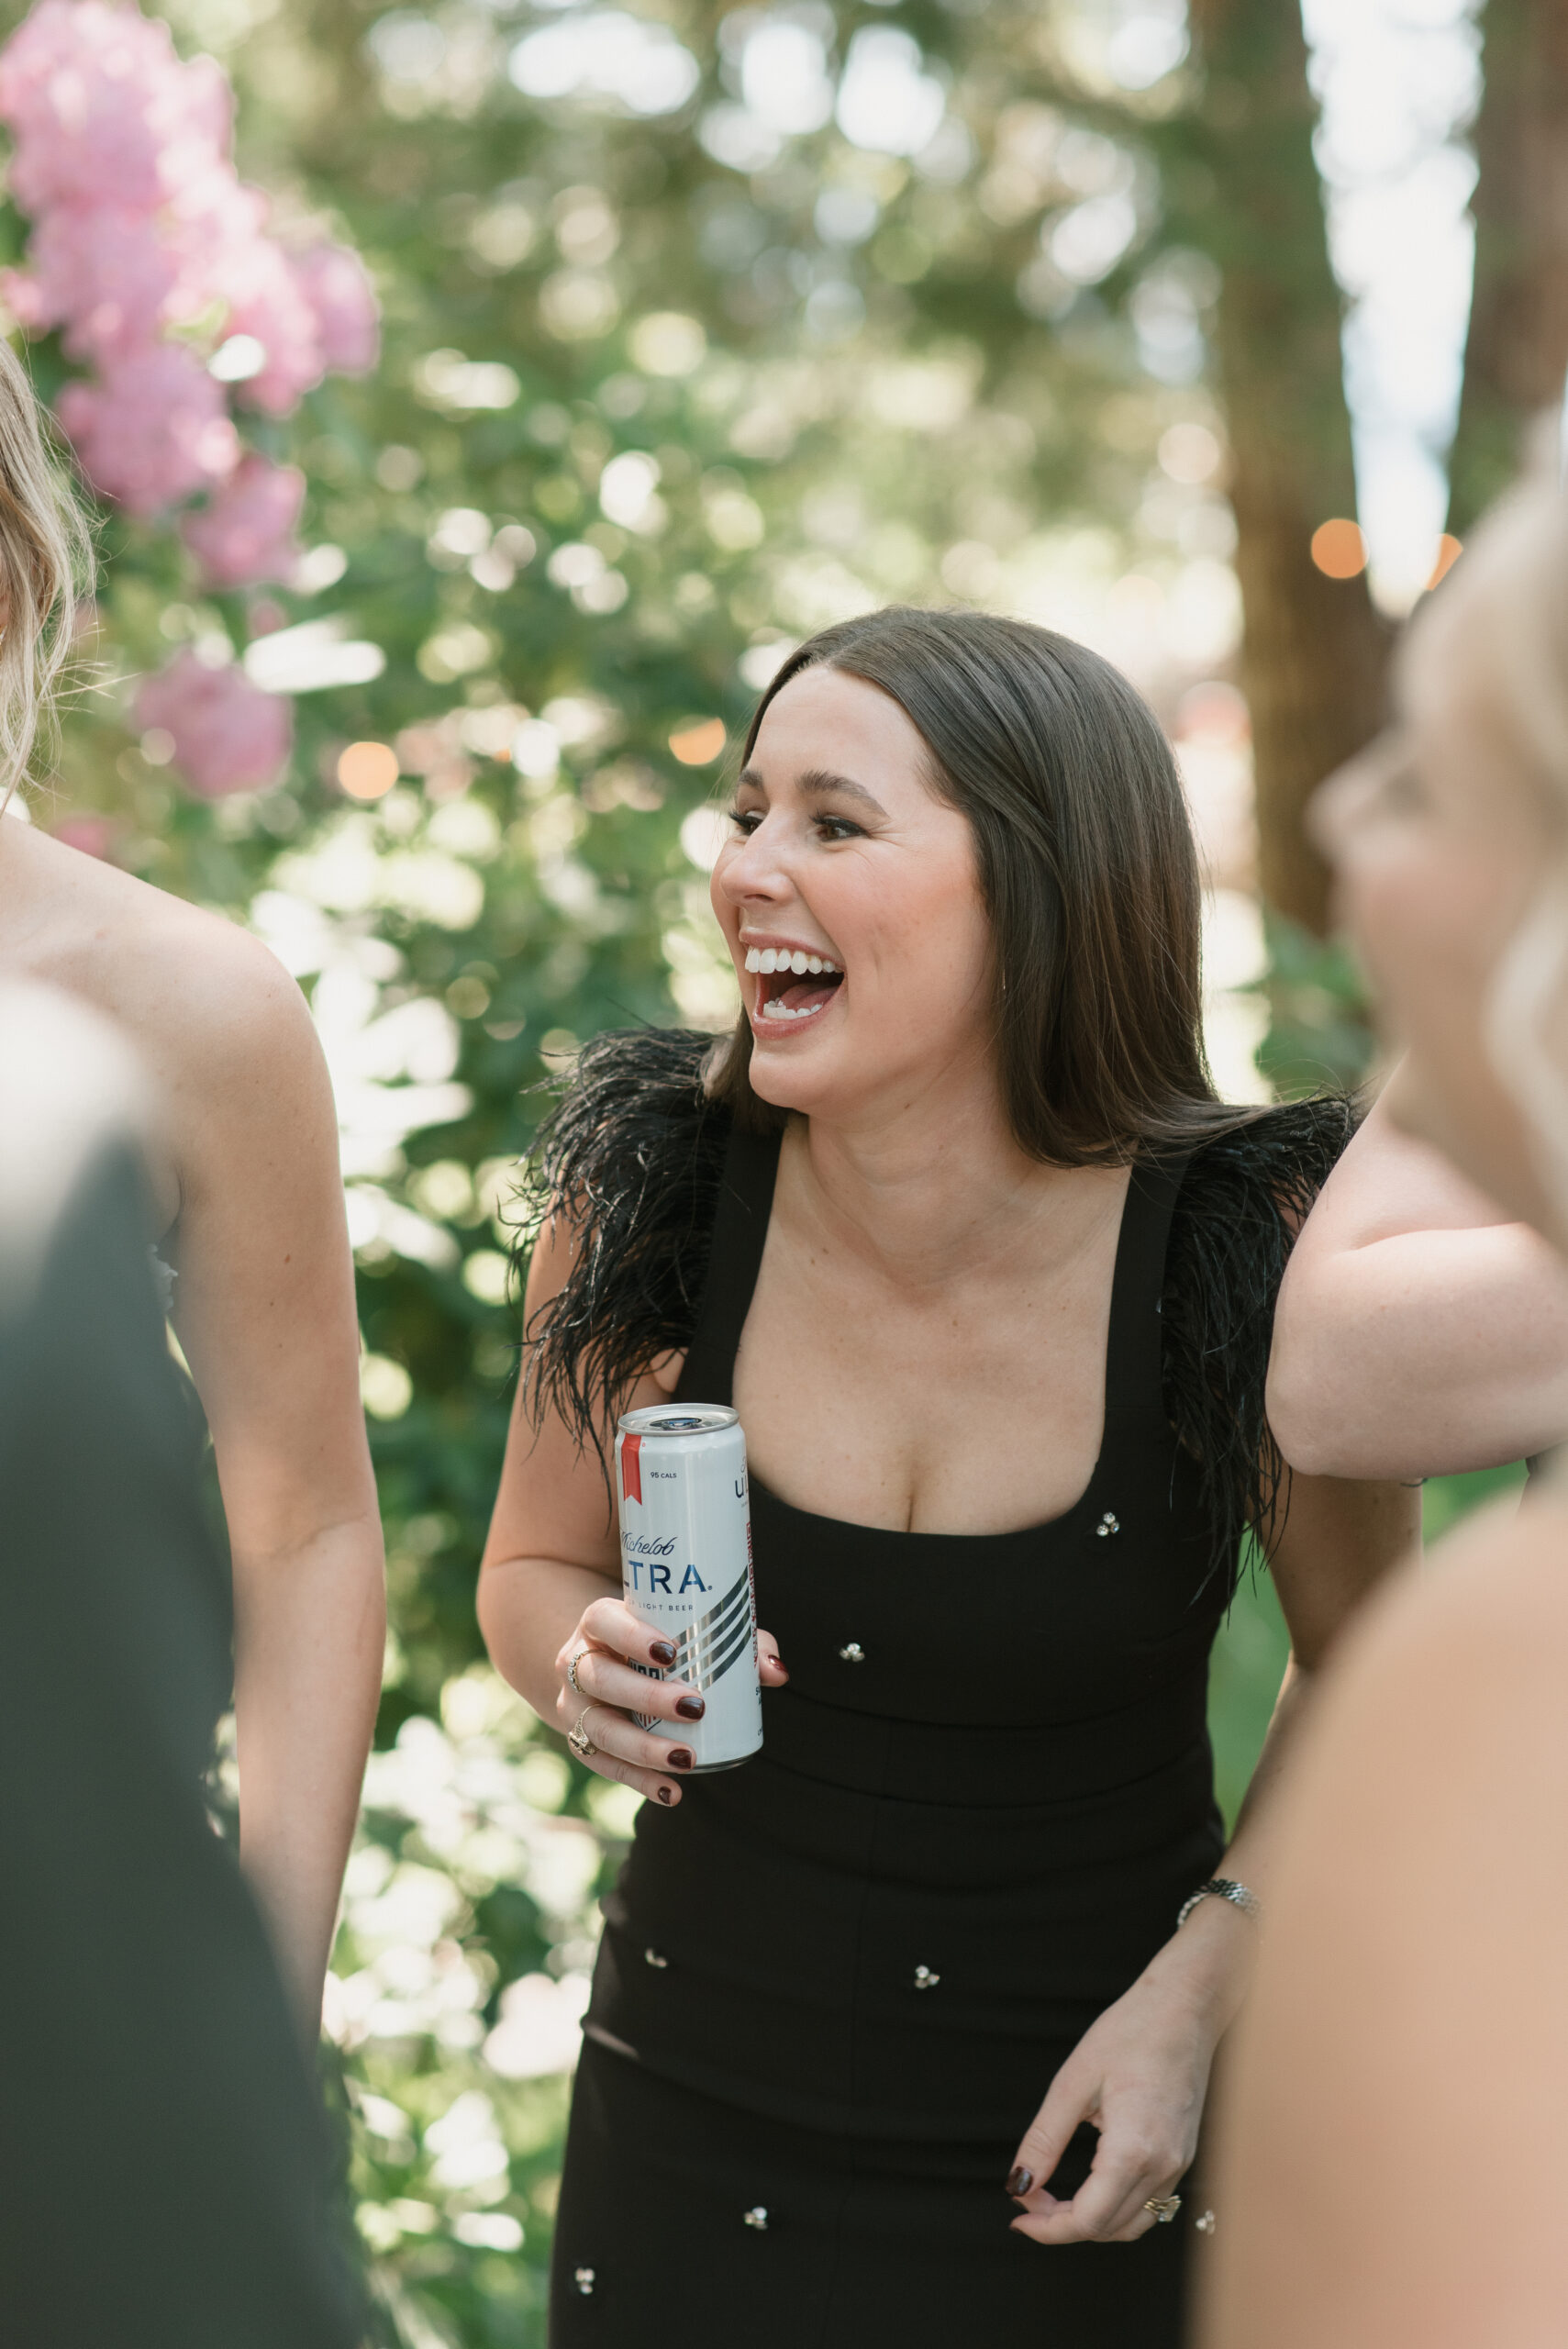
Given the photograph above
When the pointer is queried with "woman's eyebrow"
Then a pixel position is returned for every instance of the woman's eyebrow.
(820, 780)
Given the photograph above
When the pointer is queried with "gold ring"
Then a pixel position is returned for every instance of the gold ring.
(578, 1736)
(1165, 2206)
(572, 1670)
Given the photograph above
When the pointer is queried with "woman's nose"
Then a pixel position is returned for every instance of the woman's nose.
(751, 868)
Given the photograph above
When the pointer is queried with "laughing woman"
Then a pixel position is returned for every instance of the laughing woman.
(959, 1225)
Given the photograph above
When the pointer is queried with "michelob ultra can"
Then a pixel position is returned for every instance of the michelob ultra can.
(685, 1559)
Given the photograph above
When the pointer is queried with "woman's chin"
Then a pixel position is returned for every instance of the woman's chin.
(789, 1072)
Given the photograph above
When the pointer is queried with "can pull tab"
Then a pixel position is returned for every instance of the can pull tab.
(631, 1467)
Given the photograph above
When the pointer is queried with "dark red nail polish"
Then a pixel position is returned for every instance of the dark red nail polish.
(662, 1651)
(1020, 2180)
(665, 1794)
(681, 1757)
(691, 1709)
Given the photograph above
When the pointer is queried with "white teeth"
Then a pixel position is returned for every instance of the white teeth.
(767, 959)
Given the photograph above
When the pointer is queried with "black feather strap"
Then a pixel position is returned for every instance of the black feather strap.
(1244, 1198)
(635, 1149)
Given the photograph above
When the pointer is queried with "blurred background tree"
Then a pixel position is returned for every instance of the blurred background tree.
(701, 327)
(1314, 651)
(1516, 350)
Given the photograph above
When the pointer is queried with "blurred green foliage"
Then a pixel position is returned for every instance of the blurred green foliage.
(1319, 1032)
(1449, 1498)
(1248, 1665)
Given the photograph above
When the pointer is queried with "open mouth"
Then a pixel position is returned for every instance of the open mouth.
(791, 982)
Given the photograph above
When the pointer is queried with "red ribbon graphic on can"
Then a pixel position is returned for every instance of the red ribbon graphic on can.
(631, 1467)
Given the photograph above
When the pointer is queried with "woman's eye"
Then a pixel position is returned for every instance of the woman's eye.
(745, 820)
(839, 828)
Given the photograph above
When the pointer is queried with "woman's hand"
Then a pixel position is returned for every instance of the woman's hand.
(1139, 2075)
(607, 1641)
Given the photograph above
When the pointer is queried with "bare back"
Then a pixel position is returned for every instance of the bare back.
(249, 1212)
(1396, 2127)
(148, 960)
(243, 1170)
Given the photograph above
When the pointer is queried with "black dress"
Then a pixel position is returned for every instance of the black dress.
(835, 1983)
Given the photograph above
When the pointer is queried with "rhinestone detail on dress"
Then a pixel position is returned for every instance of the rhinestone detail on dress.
(925, 1979)
(757, 2217)
(853, 1654)
(584, 2280)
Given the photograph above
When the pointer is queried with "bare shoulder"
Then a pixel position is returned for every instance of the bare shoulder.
(201, 997)
(1495, 1593)
(1449, 1696)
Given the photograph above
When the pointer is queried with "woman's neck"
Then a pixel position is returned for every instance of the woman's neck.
(927, 1198)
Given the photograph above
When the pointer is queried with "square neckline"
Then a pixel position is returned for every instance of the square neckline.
(1132, 1360)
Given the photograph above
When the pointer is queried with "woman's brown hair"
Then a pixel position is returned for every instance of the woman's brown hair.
(1087, 869)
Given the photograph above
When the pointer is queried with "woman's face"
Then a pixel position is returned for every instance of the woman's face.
(1439, 842)
(848, 898)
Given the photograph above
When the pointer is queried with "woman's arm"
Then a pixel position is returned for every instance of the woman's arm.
(1340, 1540)
(264, 1309)
(550, 1581)
(1141, 2073)
(1394, 2134)
(1417, 1333)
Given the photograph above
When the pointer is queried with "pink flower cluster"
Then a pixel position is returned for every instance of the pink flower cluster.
(245, 532)
(227, 735)
(147, 251)
(169, 286)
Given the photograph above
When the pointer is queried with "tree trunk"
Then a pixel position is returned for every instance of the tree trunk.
(1517, 351)
(1315, 652)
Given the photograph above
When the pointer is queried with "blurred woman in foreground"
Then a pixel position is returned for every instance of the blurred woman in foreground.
(1397, 2121)
(249, 1223)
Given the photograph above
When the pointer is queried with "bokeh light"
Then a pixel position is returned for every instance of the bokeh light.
(698, 745)
(1189, 453)
(1449, 548)
(367, 769)
(1338, 549)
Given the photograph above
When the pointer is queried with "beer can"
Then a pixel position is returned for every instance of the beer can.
(685, 1554)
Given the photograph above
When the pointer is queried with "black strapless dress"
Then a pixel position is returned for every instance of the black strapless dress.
(835, 1984)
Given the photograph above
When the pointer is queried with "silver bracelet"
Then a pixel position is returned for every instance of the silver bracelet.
(1223, 1887)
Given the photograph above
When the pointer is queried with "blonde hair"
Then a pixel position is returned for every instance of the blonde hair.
(46, 566)
(1508, 607)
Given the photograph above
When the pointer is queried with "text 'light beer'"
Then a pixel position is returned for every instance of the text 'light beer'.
(685, 1563)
